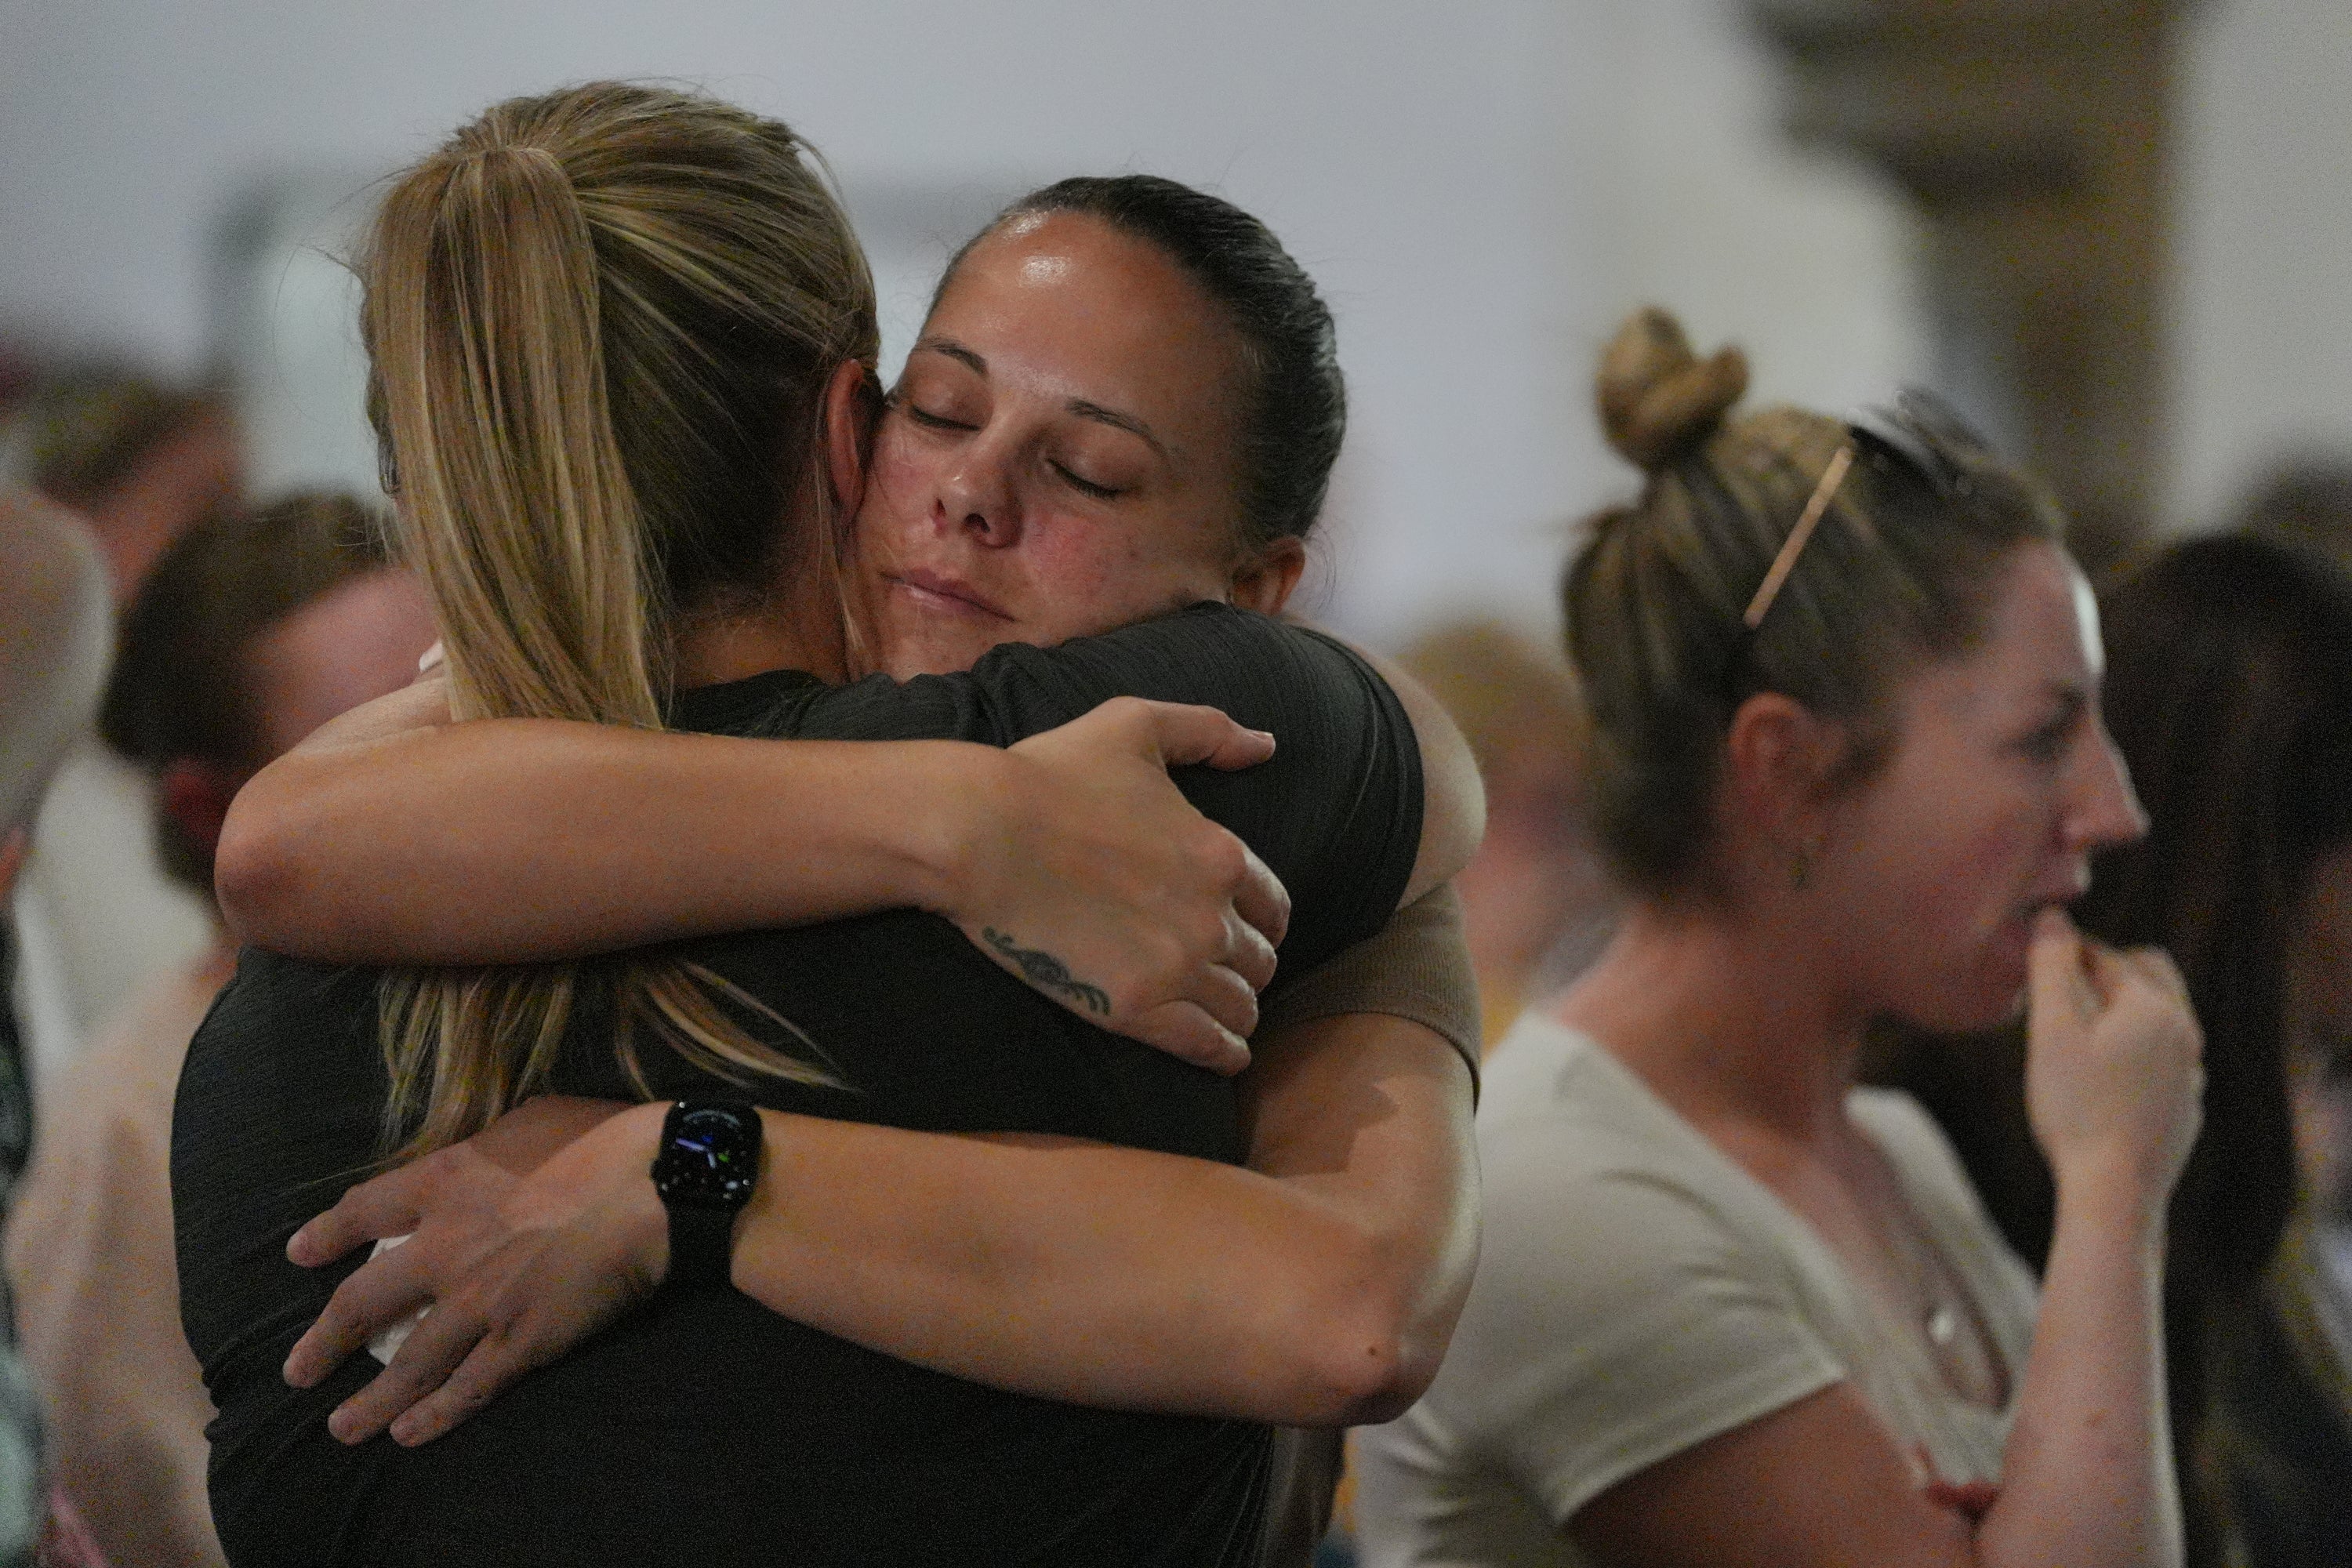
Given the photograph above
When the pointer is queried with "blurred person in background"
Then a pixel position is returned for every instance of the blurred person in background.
(140, 461)
(2230, 695)
(137, 459)
(55, 632)
(252, 630)
(1535, 898)
(2305, 504)
(1846, 756)
(2230, 691)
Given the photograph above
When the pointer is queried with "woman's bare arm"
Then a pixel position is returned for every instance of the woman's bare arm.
(1317, 1287)
(370, 842)
(373, 839)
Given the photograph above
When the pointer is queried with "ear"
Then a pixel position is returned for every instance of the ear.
(851, 398)
(1266, 582)
(195, 798)
(1780, 758)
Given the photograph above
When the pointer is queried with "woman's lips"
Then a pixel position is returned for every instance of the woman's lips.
(942, 595)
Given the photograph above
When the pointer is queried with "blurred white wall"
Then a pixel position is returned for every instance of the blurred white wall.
(1481, 189)
(2262, 227)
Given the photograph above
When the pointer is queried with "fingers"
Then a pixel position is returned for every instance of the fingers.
(1187, 734)
(2057, 986)
(1248, 953)
(382, 1291)
(1228, 998)
(2156, 966)
(388, 1206)
(441, 1340)
(496, 1361)
(1185, 1031)
(1263, 901)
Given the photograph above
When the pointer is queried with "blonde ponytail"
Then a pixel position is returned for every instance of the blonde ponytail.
(600, 324)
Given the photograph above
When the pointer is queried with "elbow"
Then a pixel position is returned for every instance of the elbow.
(257, 875)
(1373, 1374)
(1366, 1385)
(1370, 1357)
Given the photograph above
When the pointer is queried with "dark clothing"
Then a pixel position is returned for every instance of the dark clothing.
(706, 1429)
(2275, 1449)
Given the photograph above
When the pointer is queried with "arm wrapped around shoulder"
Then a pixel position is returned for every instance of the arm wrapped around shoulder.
(1416, 968)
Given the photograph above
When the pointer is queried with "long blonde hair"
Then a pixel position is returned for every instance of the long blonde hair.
(600, 325)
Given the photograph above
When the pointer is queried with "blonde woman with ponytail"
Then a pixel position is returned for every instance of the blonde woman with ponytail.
(1846, 756)
(623, 344)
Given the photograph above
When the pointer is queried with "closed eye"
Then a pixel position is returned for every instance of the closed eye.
(930, 421)
(1086, 486)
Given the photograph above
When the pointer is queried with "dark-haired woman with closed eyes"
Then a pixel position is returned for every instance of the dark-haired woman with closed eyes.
(1844, 685)
(969, 1181)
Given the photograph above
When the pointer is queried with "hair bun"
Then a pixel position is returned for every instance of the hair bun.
(1657, 398)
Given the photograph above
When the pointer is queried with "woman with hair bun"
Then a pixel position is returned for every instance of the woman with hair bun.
(1846, 757)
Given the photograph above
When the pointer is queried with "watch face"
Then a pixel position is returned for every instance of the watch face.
(709, 1155)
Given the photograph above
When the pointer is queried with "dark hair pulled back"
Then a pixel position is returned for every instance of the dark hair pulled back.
(1297, 411)
(1897, 573)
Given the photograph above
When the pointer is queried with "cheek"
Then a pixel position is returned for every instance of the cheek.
(897, 477)
(1089, 574)
(1942, 926)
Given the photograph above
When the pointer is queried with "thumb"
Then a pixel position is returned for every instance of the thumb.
(1187, 734)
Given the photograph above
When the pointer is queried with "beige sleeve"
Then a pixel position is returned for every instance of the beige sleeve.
(1417, 966)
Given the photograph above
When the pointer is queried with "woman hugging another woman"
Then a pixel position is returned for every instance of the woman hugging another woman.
(1007, 1287)
(1846, 755)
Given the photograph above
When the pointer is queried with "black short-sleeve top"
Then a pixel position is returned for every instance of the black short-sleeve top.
(706, 1429)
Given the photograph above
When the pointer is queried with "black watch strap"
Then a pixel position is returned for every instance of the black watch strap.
(701, 1248)
(704, 1172)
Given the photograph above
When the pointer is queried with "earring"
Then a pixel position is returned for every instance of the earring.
(1801, 865)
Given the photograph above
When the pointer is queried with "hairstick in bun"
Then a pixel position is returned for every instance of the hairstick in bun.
(1793, 546)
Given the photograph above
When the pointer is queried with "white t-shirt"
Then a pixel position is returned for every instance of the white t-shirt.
(1638, 1293)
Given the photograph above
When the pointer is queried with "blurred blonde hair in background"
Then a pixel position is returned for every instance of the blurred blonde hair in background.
(1535, 901)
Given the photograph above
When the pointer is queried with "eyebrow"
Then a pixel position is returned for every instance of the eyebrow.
(1080, 406)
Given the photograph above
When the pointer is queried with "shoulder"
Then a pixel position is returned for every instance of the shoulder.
(1602, 1209)
(1630, 1300)
(54, 602)
(1263, 672)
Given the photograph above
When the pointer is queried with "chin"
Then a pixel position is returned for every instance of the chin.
(912, 646)
(1971, 1004)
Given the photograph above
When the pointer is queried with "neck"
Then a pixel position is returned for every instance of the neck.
(1727, 1022)
(793, 623)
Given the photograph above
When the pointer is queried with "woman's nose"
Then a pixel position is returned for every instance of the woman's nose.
(2106, 811)
(977, 496)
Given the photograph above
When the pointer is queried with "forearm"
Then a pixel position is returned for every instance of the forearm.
(2088, 1476)
(1317, 1288)
(1075, 1272)
(595, 837)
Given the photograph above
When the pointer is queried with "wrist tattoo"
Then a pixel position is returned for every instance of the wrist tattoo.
(1047, 973)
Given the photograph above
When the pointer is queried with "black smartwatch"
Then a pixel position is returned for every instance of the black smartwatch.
(708, 1163)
